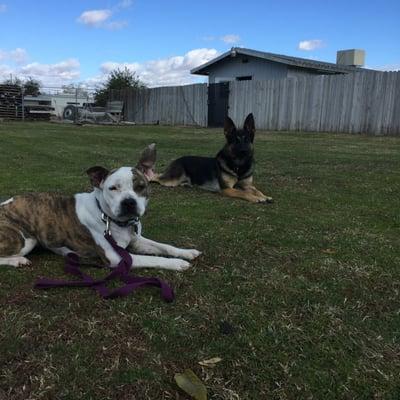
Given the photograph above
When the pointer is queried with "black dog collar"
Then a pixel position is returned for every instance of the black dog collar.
(123, 224)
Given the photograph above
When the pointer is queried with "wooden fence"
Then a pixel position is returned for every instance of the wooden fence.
(362, 102)
(353, 103)
(176, 105)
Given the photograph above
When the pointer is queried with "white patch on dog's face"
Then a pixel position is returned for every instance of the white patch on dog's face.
(126, 193)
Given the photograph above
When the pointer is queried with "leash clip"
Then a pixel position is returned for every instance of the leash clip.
(135, 225)
(106, 220)
(135, 221)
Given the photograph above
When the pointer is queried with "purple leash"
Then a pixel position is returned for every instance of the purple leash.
(122, 271)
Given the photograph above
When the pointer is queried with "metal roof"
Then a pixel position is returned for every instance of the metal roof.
(279, 58)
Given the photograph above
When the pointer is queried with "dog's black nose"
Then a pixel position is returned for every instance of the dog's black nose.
(128, 206)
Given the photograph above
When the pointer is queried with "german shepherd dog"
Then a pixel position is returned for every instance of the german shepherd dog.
(229, 173)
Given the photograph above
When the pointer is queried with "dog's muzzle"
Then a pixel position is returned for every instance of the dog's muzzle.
(129, 208)
(242, 150)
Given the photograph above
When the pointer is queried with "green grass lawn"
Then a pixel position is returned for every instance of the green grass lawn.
(299, 298)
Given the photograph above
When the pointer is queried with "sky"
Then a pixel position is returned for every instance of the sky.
(80, 42)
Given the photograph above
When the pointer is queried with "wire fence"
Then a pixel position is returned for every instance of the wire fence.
(44, 103)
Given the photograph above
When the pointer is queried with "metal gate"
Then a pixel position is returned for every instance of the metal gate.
(218, 103)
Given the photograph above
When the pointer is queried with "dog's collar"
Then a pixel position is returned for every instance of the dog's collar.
(123, 224)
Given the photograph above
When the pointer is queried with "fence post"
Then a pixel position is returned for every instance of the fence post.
(23, 104)
(76, 106)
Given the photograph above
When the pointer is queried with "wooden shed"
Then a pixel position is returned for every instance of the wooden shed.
(239, 64)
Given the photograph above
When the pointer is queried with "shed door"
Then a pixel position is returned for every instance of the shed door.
(218, 103)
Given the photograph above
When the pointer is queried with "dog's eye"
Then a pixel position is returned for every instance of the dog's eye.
(112, 188)
(139, 188)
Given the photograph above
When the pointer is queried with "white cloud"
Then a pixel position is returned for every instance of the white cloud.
(56, 74)
(309, 45)
(3, 55)
(163, 72)
(208, 38)
(388, 67)
(15, 62)
(124, 4)
(18, 55)
(168, 71)
(3, 8)
(115, 25)
(230, 39)
(101, 18)
(5, 72)
(94, 18)
(66, 70)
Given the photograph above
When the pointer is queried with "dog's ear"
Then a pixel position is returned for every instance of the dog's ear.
(97, 175)
(229, 126)
(147, 161)
(249, 126)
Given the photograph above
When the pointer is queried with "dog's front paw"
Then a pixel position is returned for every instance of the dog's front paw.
(262, 198)
(252, 198)
(267, 199)
(19, 262)
(179, 265)
(189, 254)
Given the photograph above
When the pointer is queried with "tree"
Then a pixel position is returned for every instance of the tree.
(13, 81)
(117, 79)
(32, 87)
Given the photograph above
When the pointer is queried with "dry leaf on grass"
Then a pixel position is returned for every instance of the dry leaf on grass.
(329, 251)
(191, 384)
(210, 362)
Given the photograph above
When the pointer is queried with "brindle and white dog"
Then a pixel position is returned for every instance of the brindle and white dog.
(66, 224)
